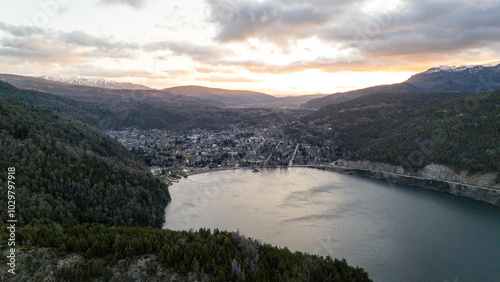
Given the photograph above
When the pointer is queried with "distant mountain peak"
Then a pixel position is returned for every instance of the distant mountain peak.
(470, 68)
(75, 79)
(465, 79)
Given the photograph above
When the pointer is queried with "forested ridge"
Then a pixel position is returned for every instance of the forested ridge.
(83, 203)
(90, 113)
(460, 131)
(122, 112)
(463, 134)
(101, 252)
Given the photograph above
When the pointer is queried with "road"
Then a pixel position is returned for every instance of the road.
(270, 155)
(417, 177)
(293, 156)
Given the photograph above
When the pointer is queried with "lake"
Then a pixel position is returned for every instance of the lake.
(395, 232)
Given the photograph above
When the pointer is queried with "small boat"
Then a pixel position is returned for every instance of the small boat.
(255, 169)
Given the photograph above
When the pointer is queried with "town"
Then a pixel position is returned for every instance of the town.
(176, 154)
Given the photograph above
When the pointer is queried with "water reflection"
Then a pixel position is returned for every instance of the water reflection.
(395, 232)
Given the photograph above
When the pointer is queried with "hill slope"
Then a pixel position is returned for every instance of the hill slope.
(128, 112)
(145, 254)
(104, 96)
(465, 79)
(86, 112)
(222, 97)
(349, 95)
(70, 173)
(456, 130)
(180, 98)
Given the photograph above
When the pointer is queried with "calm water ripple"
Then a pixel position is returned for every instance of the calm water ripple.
(395, 232)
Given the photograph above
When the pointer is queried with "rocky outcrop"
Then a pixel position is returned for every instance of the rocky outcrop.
(480, 187)
(45, 264)
(441, 172)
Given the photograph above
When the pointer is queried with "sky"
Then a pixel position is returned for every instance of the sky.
(276, 47)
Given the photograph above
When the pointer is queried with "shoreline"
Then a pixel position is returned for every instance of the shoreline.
(202, 171)
(474, 192)
(190, 173)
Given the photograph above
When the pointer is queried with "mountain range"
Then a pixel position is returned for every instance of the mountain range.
(73, 175)
(464, 79)
(120, 109)
(94, 82)
(215, 95)
(109, 92)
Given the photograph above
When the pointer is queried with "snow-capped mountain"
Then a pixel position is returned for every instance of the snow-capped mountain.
(470, 68)
(467, 79)
(94, 82)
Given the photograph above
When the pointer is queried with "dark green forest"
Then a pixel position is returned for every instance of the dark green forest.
(214, 256)
(128, 112)
(412, 130)
(70, 173)
(87, 209)
(87, 112)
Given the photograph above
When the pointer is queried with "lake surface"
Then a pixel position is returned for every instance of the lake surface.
(395, 232)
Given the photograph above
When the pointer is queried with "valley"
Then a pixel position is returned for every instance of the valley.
(249, 140)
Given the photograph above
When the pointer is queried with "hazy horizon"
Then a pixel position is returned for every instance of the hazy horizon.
(285, 94)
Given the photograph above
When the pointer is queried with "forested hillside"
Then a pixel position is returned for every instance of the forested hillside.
(70, 173)
(121, 112)
(445, 79)
(89, 113)
(146, 254)
(413, 130)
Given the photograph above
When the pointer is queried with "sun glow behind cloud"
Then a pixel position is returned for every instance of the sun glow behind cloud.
(317, 81)
(273, 46)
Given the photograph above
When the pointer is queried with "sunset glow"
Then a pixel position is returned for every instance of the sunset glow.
(277, 47)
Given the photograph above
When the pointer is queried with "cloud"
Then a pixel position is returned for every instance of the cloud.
(180, 72)
(136, 4)
(271, 21)
(79, 46)
(200, 53)
(374, 36)
(282, 36)
(40, 49)
(33, 43)
(81, 38)
(10, 52)
(20, 30)
(254, 66)
(431, 27)
(214, 78)
(211, 69)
